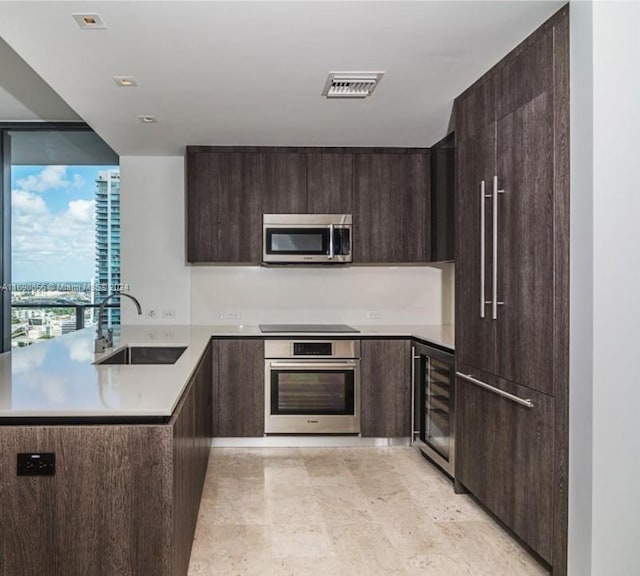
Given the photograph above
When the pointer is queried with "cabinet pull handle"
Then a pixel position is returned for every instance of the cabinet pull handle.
(496, 192)
(413, 393)
(346, 365)
(482, 247)
(522, 401)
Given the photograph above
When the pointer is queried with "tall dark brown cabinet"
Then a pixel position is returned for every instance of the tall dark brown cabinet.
(512, 199)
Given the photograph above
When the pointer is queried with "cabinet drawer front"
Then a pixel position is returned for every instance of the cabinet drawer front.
(505, 456)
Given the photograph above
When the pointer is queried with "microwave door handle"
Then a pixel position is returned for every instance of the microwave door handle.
(331, 246)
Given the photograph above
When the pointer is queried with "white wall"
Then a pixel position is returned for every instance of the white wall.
(401, 295)
(581, 290)
(153, 246)
(616, 294)
(605, 306)
(448, 292)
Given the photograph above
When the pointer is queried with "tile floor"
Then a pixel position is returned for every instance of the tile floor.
(343, 511)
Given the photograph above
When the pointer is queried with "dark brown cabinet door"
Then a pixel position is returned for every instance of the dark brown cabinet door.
(285, 186)
(391, 208)
(385, 388)
(442, 193)
(204, 401)
(524, 337)
(238, 388)
(525, 77)
(504, 455)
(475, 328)
(475, 109)
(224, 206)
(329, 183)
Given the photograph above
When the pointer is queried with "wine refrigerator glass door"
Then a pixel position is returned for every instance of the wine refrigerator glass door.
(435, 407)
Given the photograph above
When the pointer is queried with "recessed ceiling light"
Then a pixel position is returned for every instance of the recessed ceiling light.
(351, 84)
(147, 119)
(125, 81)
(89, 21)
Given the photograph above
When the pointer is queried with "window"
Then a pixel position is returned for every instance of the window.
(61, 232)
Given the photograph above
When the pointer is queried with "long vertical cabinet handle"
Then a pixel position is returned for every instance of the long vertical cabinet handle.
(482, 247)
(494, 299)
(494, 308)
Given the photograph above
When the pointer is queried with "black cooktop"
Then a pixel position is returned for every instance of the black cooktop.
(322, 328)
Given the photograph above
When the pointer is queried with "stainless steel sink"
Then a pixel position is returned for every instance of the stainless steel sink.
(145, 355)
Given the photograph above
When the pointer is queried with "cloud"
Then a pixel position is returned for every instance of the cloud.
(53, 233)
(50, 178)
(61, 240)
(27, 203)
(81, 210)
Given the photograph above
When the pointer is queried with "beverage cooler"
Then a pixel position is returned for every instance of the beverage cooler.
(433, 430)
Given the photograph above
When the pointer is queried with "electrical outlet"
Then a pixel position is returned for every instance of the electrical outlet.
(37, 464)
(151, 313)
(168, 314)
(230, 315)
(374, 315)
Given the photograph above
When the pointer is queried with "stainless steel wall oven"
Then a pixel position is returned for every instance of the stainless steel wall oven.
(312, 386)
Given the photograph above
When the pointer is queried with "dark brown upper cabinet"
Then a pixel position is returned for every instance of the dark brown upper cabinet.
(285, 187)
(386, 191)
(443, 176)
(225, 196)
(391, 207)
(329, 183)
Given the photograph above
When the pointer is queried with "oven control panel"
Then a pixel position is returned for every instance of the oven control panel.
(312, 349)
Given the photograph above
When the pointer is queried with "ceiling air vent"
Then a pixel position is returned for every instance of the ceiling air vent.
(351, 84)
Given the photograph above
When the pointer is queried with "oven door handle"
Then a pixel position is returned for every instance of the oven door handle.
(349, 365)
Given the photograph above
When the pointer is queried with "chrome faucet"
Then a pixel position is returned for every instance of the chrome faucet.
(103, 342)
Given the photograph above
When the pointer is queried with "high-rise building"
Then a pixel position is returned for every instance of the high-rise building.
(108, 241)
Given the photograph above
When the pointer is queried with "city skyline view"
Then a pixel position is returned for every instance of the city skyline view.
(53, 222)
(65, 238)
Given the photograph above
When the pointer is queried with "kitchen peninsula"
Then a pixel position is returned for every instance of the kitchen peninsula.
(130, 446)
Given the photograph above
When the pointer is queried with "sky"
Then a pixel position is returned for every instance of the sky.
(52, 222)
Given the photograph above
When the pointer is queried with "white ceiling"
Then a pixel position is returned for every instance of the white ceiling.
(251, 73)
(24, 96)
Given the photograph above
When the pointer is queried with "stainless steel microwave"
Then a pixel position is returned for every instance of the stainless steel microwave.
(307, 238)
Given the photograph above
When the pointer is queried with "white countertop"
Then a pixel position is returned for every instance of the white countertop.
(442, 335)
(58, 378)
